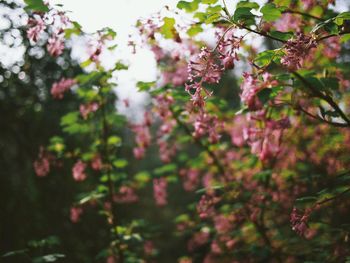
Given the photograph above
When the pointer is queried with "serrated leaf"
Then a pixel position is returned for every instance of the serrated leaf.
(251, 5)
(145, 86)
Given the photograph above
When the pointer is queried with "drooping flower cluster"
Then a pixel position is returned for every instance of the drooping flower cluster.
(56, 22)
(125, 195)
(288, 22)
(42, 164)
(299, 221)
(86, 109)
(206, 124)
(59, 88)
(79, 171)
(75, 213)
(160, 191)
(143, 136)
(296, 50)
(162, 109)
(251, 86)
(36, 27)
(266, 142)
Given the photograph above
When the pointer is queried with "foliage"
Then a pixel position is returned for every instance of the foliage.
(254, 169)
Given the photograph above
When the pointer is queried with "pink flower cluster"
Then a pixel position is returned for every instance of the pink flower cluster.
(55, 45)
(266, 142)
(75, 213)
(79, 171)
(143, 136)
(208, 67)
(160, 191)
(36, 27)
(59, 88)
(299, 220)
(206, 206)
(42, 164)
(251, 86)
(86, 109)
(206, 124)
(288, 22)
(332, 47)
(96, 163)
(297, 50)
(125, 195)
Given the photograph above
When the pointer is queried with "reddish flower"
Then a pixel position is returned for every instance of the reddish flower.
(160, 191)
(86, 109)
(59, 88)
(55, 46)
(42, 164)
(125, 195)
(75, 213)
(297, 50)
(96, 162)
(79, 171)
(37, 26)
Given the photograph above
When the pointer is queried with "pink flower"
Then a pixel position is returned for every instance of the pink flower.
(205, 207)
(160, 191)
(75, 213)
(42, 164)
(86, 109)
(332, 47)
(297, 50)
(79, 171)
(139, 152)
(288, 22)
(37, 26)
(96, 162)
(299, 221)
(59, 88)
(125, 195)
(199, 239)
(55, 46)
(148, 247)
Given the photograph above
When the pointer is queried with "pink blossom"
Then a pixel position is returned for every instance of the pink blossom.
(297, 50)
(148, 247)
(75, 213)
(111, 259)
(299, 221)
(59, 88)
(37, 26)
(139, 152)
(125, 195)
(42, 164)
(160, 191)
(191, 179)
(332, 47)
(96, 162)
(166, 151)
(205, 207)
(86, 109)
(199, 239)
(227, 49)
(55, 46)
(79, 171)
(288, 22)
(222, 224)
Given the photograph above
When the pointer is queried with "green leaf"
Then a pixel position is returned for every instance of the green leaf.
(194, 30)
(189, 7)
(214, 9)
(270, 12)
(251, 5)
(281, 35)
(120, 163)
(209, 2)
(142, 177)
(212, 18)
(15, 252)
(168, 28)
(70, 118)
(145, 86)
(120, 66)
(168, 168)
(263, 59)
(264, 95)
(114, 140)
(243, 15)
(36, 5)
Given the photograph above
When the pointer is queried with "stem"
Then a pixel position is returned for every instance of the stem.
(327, 98)
(332, 35)
(303, 14)
(332, 198)
(336, 124)
(111, 188)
